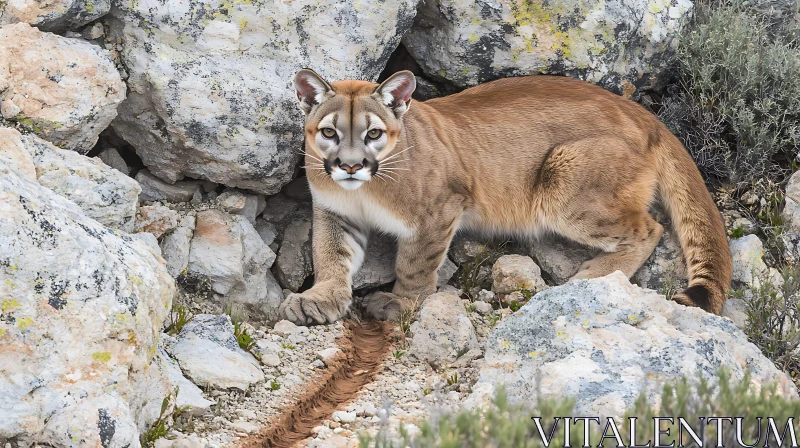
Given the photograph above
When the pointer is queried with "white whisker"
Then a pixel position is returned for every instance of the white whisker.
(395, 169)
(393, 162)
(396, 154)
(303, 153)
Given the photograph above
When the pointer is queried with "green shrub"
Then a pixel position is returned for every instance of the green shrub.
(178, 317)
(504, 425)
(246, 342)
(736, 103)
(773, 316)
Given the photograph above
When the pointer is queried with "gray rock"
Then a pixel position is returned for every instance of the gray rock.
(604, 341)
(512, 273)
(559, 258)
(735, 310)
(791, 211)
(266, 230)
(483, 307)
(55, 15)
(442, 330)
(378, 266)
(747, 253)
(189, 395)
(154, 189)
(665, 269)
(104, 194)
(65, 90)
(466, 248)
(229, 252)
(149, 240)
(294, 263)
(616, 44)
(239, 203)
(175, 250)
(209, 355)
(14, 154)
(60, 272)
(219, 104)
(445, 272)
(112, 158)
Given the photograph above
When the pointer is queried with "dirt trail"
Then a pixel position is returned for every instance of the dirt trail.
(363, 348)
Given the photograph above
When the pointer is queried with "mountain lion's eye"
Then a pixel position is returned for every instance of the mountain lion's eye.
(375, 134)
(328, 132)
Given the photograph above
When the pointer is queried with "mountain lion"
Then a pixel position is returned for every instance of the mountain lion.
(519, 156)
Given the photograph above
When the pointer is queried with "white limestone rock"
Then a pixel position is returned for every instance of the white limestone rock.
(65, 90)
(605, 341)
(80, 311)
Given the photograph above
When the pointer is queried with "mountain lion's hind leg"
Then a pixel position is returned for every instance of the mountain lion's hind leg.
(627, 245)
(597, 191)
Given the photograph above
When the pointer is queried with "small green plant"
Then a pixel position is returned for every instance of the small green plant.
(493, 320)
(165, 421)
(461, 352)
(407, 317)
(514, 306)
(426, 391)
(470, 308)
(470, 277)
(179, 316)
(399, 353)
(738, 232)
(274, 385)
(452, 380)
(244, 339)
(286, 346)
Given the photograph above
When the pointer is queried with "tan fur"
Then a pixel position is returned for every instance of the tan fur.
(520, 156)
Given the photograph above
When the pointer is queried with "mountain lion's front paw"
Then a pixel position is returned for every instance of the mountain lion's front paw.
(315, 306)
(388, 306)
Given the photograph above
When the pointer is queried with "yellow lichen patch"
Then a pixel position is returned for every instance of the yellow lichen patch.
(9, 305)
(473, 38)
(2, 332)
(24, 322)
(101, 356)
(527, 12)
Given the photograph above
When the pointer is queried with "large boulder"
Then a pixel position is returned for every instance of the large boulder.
(228, 251)
(211, 82)
(65, 90)
(80, 312)
(604, 341)
(53, 15)
(103, 193)
(617, 44)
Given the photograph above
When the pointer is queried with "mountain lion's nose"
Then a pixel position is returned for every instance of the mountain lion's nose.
(351, 169)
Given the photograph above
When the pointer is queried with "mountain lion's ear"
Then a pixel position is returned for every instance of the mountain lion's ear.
(311, 89)
(396, 92)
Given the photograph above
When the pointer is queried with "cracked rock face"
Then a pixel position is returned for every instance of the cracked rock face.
(53, 15)
(65, 90)
(618, 44)
(80, 313)
(103, 193)
(604, 341)
(211, 82)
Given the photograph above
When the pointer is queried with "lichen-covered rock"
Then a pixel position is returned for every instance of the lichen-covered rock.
(209, 354)
(53, 15)
(747, 255)
(229, 252)
(442, 330)
(103, 193)
(211, 82)
(617, 44)
(604, 341)
(65, 90)
(80, 312)
(511, 273)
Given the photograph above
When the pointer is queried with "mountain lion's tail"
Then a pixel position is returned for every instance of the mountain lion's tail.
(698, 224)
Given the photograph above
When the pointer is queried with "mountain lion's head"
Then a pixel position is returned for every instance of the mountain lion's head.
(351, 126)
